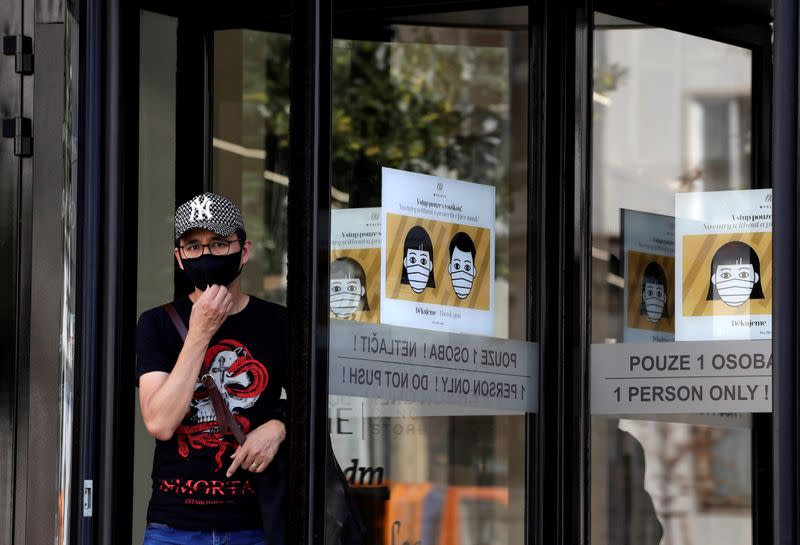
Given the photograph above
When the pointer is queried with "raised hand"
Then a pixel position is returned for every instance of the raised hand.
(210, 311)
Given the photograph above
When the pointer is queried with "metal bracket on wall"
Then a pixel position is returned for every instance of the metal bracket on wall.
(20, 129)
(88, 499)
(22, 49)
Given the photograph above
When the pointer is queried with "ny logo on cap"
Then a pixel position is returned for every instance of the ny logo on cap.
(201, 210)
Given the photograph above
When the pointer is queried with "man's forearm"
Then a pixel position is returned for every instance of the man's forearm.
(168, 405)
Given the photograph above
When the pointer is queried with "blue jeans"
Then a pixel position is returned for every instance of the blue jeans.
(161, 534)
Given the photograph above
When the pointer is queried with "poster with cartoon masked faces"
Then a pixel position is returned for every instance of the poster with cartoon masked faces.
(723, 284)
(437, 253)
(648, 242)
(355, 264)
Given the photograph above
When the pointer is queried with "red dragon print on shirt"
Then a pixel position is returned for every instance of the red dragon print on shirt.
(241, 380)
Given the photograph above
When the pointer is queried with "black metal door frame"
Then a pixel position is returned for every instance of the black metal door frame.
(752, 31)
(16, 105)
(558, 174)
(560, 200)
(786, 236)
(105, 247)
(560, 159)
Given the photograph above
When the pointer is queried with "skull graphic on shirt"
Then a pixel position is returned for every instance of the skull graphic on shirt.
(240, 380)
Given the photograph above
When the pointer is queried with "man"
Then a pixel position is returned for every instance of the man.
(204, 482)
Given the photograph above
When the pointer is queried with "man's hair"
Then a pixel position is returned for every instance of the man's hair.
(463, 242)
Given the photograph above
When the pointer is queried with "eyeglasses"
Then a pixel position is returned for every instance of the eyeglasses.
(217, 247)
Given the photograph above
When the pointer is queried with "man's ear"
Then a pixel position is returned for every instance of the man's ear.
(177, 254)
(756, 277)
(714, 279)
(246, 247)
(363, 290)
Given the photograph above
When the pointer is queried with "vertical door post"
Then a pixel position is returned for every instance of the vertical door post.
(106, 259)
(785, 271)
(561, 162)
(309, 250)
(12, 344)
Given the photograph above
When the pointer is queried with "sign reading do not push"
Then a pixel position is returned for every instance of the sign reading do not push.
(681, 377)
(393, 363)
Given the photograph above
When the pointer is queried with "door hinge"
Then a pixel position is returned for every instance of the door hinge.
(22, 48)
(87, 497)
(20, 129)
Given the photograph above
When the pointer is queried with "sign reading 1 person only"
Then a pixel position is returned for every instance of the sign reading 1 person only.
(681, 377)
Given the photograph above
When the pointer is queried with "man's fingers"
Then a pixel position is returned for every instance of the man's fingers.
(220, 295)
(237, 461)
(263, 463)
(233, 468)
(268, 456)
(228, 304)
(249, 461)
(211, 292)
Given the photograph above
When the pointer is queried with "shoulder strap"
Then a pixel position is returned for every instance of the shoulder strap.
(225, 420)
(176, 320)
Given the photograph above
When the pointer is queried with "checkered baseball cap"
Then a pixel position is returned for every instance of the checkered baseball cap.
(208, 211)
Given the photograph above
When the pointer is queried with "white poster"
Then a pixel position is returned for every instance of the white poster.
(723, 265)
(649, 271)
(437, 254)
(355, 264)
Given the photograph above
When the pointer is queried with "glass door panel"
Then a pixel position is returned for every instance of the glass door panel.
(250, 144)
(157, 188)
(430, 369)
(671, 176)
(242, 80)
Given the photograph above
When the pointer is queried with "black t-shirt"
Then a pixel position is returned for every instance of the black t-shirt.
(248, 358)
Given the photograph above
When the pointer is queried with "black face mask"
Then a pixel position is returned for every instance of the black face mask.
(213, 269)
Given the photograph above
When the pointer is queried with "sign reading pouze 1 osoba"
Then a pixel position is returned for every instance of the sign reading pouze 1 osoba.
(682, 377)
(397, 363)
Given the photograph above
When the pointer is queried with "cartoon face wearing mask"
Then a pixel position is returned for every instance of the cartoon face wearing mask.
(654, 293)
(462, 264)
(348, 288)
(735, 275)
(418, 260)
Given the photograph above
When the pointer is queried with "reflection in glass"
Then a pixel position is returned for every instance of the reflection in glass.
(448, 101)
(671, 114)
(348, 287)
(158, 57)
(251, 147)
(428, 99)
(68, 304)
